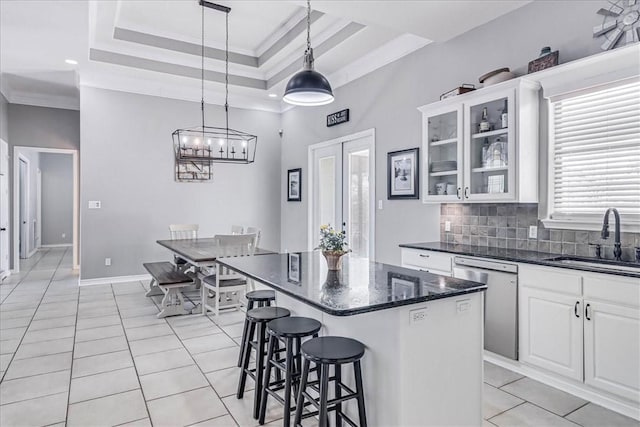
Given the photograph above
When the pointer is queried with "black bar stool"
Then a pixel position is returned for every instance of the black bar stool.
(290, 330)
(263, 299)
(325, 352)
(258, 317)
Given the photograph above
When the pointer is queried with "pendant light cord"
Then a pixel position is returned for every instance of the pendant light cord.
(226, 78)
(308, 25)
(202, 71)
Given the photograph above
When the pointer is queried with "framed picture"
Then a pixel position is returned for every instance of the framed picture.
(294, 267)
(403, 174)
(294, 185)
(402, 287)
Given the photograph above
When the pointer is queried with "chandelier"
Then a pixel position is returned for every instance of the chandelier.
(196, 148)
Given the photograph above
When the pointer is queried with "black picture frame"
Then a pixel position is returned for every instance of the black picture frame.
(294, 185)
(403, 183)
(294, 267)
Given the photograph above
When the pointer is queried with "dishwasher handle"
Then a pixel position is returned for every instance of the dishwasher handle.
(486, 264)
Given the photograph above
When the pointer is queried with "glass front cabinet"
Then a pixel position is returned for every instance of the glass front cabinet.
(482, 146)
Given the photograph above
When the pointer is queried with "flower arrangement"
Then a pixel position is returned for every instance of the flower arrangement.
(332, 241)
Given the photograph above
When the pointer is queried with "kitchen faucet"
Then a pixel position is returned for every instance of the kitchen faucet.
(617, 250)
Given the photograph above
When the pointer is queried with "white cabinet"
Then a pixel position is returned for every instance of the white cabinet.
(582, 325)
(499, 163)
(429, 261)
(551, 331)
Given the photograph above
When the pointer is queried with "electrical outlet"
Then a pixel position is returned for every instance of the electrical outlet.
(107, 262)
(379, 204)
(533, 232)
(95, 204)
(463, 306)
(447, 226)
(419, 315)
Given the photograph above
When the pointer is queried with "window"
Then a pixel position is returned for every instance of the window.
(595, 154)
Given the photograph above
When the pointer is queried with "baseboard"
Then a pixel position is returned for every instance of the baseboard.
(61, 245)
(32, 253)
(572, 387)
(114, 279)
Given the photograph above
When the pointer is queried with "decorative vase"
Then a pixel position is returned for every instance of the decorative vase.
(334, 259)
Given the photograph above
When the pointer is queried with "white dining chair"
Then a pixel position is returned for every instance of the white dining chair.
(237, 229)
(226, 280)
(179, 232)
(257, 232)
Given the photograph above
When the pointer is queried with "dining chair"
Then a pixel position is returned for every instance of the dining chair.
(237, 229)
(257, 232)
(225, 279)
(179, 232)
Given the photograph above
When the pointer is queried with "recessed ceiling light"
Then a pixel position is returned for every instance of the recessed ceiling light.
(273, 95)
(71, 61)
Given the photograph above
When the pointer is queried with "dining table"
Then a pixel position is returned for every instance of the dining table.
(200, 254)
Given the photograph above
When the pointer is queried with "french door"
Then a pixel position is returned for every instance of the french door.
(343, 190)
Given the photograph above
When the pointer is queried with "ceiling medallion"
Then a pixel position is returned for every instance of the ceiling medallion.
(196, 148)
(308, 87)
(622, 17)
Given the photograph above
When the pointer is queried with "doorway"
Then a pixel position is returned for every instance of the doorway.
(4, 209)
(23, 204)
(343, 190)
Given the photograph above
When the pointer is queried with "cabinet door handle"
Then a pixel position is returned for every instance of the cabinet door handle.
(587, 312)
(575, 309)
(458, 193)
(421, 269)
(424, 255)
(466, 192)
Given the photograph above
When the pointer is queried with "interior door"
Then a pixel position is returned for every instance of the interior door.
(327, 194)
(4, 209)
(24, 210)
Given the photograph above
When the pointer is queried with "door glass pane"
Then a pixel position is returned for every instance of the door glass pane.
(358, 202)
(488, 150)
(327, 192)
(443, 155)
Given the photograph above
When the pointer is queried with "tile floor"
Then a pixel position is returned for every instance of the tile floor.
(97, 356)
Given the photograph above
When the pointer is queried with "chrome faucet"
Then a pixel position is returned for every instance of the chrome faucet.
(617, 250)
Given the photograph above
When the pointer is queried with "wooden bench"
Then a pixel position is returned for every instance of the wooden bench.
(167, 280)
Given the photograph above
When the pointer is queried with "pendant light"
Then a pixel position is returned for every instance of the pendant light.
(308, 87)
(202, 145)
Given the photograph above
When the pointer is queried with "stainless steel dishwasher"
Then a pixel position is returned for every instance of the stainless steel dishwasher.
(500, 303)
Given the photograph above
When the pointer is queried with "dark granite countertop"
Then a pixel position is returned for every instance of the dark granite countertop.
(516, 255)
(361, 286)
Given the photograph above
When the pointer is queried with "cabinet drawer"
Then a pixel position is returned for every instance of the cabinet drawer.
(611, 288)
(426, 260)
(550, 279)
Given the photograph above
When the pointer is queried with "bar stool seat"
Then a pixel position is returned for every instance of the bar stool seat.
(257, 319)
(262, 298)
(326, 352)
(294, 327)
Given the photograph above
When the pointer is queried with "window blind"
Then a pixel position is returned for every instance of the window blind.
(596, 152)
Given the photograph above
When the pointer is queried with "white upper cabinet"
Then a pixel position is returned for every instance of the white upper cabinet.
(482, 146)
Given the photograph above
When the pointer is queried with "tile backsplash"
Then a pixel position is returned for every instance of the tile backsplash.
(506, 225)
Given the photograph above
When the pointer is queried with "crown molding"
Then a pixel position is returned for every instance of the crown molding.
(49, 101)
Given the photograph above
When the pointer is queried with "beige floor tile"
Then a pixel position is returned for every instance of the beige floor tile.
(35, 412)
(48, 334)
(223, 421)
(496, 401)
(208, 343)
(13, 314)
(108, 411)
(32, 387)
(136, 312)
(229, 318)
(218, 359)
(4, 361)
(173, 381)
(154, 345)
(136, 322)
(498, 376)
(97, 312)
(53, 314)
(97, 322)
(159, 330)
(39, 365)
(528, 415)
(15, 323)
(145, 422)
(56, 306)
(92, 365)
(234, 331)
(242, 410)
(104, 384)
(592, 415)
(38, 325)
(158, 362)
(107, 345)
(12, 334)
(186, 408)
(44, 348)
(196, 330)
(99, 333)
(9, 346)
(549, 398)
(225, 381)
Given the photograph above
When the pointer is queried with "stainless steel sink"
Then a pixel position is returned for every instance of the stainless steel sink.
(596, 263)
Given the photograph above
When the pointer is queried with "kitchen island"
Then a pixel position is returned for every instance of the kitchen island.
(423, 332)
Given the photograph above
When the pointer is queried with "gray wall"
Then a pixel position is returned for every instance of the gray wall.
(4, 118)
(42, 127)
(127, 164)
(387, 100)
(57, 198)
